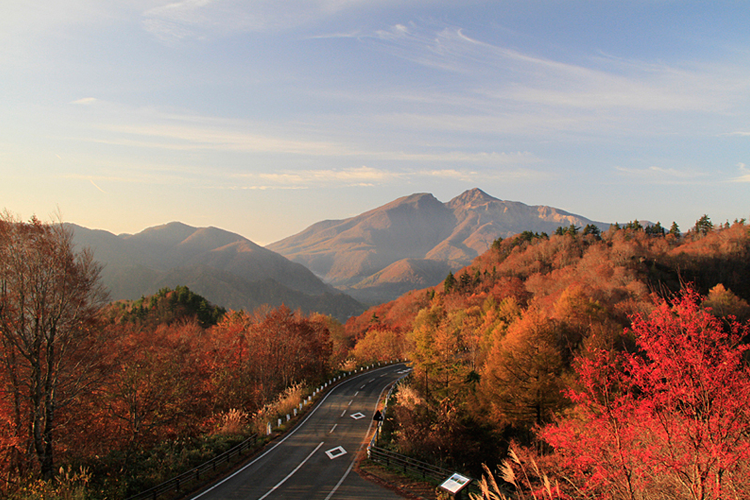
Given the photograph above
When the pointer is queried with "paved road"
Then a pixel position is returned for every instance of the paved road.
(315, 460)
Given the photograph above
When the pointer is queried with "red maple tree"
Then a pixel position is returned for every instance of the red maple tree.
(670, 420)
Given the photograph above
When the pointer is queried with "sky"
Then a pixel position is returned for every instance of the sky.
(263, 117)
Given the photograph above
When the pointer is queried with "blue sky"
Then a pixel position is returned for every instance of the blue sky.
(263, 117)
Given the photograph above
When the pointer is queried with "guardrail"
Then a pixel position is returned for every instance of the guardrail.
(194, 475)
(396, 460)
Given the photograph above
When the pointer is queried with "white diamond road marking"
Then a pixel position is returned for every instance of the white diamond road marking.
(336, 452)
(357, 416)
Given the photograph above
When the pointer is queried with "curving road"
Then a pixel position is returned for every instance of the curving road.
(315, 459)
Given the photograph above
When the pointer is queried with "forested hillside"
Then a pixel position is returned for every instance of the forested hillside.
(617, 360)
(224, 267)
(106, 400)
(511, 345)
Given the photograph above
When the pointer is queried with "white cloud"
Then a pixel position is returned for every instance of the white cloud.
(86, 101)
(503, 123)
(350, 34)
(359, 176)
(744, 173)
(219, 138)
(475, 158)
(367, 176)
(448, 173)
(503, 175)
(662, 175)
(604, 83)
(217, 18)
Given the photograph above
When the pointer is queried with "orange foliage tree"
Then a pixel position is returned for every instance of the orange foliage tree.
(272, 350)
(154, 390)
(522, 378)
(49, 298)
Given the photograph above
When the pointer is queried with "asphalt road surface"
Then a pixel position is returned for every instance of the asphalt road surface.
(315, 459)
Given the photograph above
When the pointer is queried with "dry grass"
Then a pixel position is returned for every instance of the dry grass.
(348, 365)
(526, 483)
(284, 405)
(233, 422)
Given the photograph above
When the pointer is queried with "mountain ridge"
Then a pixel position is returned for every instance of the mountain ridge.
(226, 268)
(352, 253)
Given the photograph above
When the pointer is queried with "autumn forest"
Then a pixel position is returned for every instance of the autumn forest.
(587, 364)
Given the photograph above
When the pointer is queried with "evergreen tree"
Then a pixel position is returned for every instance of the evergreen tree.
(450, 282)
(674, 230)
(592, 229)
(703, 226)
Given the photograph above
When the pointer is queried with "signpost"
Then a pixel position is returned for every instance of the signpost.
(455, 484)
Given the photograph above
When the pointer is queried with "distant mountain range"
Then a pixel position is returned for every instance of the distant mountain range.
(226, 268)
(410, 243)
(414, 241)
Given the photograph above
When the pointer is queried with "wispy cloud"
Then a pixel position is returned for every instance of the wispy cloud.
(365, 176)
(744, 175)
(115, 171)
(599, 83)
(506, 175)
(171, 132)
(327, 36)
(187, 137)
(214, 18)
(480, 158)
(302, 179)
(86, 101)
(663, 175)
(97, 187)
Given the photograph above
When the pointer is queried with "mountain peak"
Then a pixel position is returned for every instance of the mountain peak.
(416, 199)
(472, 197)
(355, 253)
(169, 234)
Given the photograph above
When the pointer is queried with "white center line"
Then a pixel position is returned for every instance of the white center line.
(355, 394)
(292, 473)
(350, 402)
(334, 426)
(343, 413)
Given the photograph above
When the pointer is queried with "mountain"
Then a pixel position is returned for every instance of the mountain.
(414, 241)
(226, 268)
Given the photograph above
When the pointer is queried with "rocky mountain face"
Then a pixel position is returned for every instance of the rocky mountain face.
(414, 241)
(226, 268)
